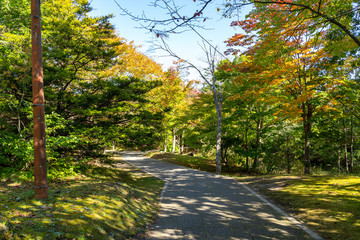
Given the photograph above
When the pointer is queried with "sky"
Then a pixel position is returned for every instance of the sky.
(185, 45)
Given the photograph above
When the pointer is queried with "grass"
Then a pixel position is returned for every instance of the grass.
(199, 163)
(106, 202)
(330, 205)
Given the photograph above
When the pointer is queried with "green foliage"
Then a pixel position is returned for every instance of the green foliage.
(88, 105)
(15, 152)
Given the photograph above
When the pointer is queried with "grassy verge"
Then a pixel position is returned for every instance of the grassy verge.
(106, 202)
(187, 161)
(330, 205)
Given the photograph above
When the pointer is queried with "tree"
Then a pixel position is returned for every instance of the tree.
(296, 65)
(213, 83)
(40, 169)
(91, 99)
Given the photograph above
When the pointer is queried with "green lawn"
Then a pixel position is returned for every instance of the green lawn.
(187, 161)
(103, 203)
(330, 205)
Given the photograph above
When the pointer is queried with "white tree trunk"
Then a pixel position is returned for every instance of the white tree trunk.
(182, 142)
(165, 143)
(218, 105)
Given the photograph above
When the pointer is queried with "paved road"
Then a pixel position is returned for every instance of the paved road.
(201, 205)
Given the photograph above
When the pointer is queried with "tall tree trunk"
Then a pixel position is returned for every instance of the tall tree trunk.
(339, 147)
(345, 146)
(339, 160)
(165, 143)
(259, 125)
(352, 144)
(40, 170)
(288, 153)
(182, 142)
(246, 148)
(218, 104)
(307, 114)
(173, 141)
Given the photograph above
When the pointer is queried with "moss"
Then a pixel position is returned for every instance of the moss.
(328, 204)
(103, 203)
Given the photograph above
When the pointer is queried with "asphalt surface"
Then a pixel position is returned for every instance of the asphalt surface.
(201, 205)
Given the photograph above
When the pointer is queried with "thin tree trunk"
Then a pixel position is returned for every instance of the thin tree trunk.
(352, 144)
(288, 153)
(259, 125)
(307, 114)
(307, 161)
(246, 148)
(339, 147)
(339, 160)
(173, 141)
(182, 142)
(345, 147)
(218, 105)
(165, 143)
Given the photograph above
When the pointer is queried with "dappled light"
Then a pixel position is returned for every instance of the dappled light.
(201, 205)
(112, 203)
(329, 204)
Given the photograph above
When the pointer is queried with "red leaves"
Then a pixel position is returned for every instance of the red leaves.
(247, 25)
(197, 13)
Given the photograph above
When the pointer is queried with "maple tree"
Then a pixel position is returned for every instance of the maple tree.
(289, 63)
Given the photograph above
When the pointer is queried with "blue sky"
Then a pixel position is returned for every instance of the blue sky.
(186, 45)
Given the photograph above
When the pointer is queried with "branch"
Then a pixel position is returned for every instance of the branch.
(173, 11)
(319, 14)
(166, 48)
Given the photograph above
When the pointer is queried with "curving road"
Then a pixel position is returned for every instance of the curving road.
(201, 205)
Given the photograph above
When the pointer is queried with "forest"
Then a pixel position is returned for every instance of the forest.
(280, 106)
(287, 100)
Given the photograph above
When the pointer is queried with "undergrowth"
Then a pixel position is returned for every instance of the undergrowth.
(104, 202)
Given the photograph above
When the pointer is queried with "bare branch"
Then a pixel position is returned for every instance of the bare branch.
(176, 20)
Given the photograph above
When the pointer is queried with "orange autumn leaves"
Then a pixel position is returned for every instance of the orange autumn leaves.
(281, 63)
(132, 63)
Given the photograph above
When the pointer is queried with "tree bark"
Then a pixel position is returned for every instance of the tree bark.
(307, 114)
(339, 147)
(182, 142)
(40, 170)
(218, 104)
(173, 141)
(288, 153)
(339, 160)
(246, 148)
(345, 147)
(352, 144)
(165, 143)
(259, 125)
